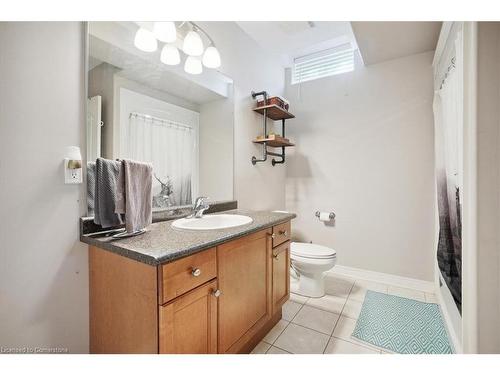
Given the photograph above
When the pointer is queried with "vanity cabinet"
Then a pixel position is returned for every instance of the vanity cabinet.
(245, 282)
(224, 299)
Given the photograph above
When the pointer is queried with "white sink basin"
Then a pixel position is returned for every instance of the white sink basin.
(212, 222)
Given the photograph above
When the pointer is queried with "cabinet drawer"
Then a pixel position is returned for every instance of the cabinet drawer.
(281, 233)
(182, 275)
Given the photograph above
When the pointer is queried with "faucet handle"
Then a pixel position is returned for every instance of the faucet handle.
(199, 201)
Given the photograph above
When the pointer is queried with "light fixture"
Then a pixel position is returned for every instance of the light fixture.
(170, 55)
(145, 40)
(193, 65)
(193, 45)
(211, 57)
(165, 31)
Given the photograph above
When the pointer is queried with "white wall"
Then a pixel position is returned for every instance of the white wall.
(43, 266)
(364, 149)
(259, 187)
(488, 187)
(216, 165)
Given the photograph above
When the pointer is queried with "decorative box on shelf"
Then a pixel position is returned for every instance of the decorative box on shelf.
(274, 100)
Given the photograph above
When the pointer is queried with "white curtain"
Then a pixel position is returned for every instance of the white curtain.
(170, 147)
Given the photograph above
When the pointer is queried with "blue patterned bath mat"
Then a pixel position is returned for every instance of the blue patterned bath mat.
(402, 325)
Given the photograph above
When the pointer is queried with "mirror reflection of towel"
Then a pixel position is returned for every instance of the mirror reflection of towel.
(120, 190)
(106, 173)
(135, 194)
(90, 188)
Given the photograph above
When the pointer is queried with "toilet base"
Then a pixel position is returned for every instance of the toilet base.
(309, 285)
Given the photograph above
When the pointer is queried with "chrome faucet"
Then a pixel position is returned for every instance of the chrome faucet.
(200, 206)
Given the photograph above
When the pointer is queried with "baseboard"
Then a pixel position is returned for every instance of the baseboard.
(384, 278)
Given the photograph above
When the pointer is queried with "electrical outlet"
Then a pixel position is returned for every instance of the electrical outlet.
(72, 176)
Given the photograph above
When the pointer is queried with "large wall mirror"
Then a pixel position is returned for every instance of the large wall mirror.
(142, 109)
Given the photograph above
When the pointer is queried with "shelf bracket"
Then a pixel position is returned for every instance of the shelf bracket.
(264, 124)
(282, 155)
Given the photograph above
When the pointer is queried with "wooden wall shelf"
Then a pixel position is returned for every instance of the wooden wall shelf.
(275, 141)
(274, 112)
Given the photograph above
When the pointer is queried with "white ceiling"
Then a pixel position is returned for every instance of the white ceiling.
(377, 41)
(290, 39)
(381, 41)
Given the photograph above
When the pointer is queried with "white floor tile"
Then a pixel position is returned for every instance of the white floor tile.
(328, 303)
(352, 308)
(319, 320)
(298, 298)
(407, 293)
(360, 288)
(275, 350)
(261, 348)
(300, 340)
(431, 298)
(290, 308)
(338, 346)
(344, 328)
(273, 334)
(338, 285)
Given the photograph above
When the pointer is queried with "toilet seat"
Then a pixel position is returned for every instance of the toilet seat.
(311, 251)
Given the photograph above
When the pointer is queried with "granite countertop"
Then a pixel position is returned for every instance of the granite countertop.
(162, 244)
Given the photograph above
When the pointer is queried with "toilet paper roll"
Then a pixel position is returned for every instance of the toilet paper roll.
(324, 216)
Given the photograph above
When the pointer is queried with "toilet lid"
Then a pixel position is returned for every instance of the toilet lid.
(310, 250)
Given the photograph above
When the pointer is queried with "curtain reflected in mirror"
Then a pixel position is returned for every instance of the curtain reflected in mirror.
(171, 148)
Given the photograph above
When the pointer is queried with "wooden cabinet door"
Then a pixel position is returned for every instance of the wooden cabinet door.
(188, 324)
(244, 273)
(281, 275)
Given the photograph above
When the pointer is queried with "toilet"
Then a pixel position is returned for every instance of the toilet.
(311, 261)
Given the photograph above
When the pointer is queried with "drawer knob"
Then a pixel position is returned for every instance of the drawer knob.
(276, 256)
(283, 232)
(216, 293)
(196, 272)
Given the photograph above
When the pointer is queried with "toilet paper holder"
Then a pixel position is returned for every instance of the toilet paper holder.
(331, 215)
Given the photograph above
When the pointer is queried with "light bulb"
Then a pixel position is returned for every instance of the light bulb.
(170, 55)
(193, 45)
(145, 40)
(193, 65)
(211, 57)
(165, 31)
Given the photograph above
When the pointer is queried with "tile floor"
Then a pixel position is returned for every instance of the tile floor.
(324, 325)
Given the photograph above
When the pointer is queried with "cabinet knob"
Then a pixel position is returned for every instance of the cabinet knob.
(216, 293)
(283, 232)
(196, 272)
(276, 256)
(273, 236)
